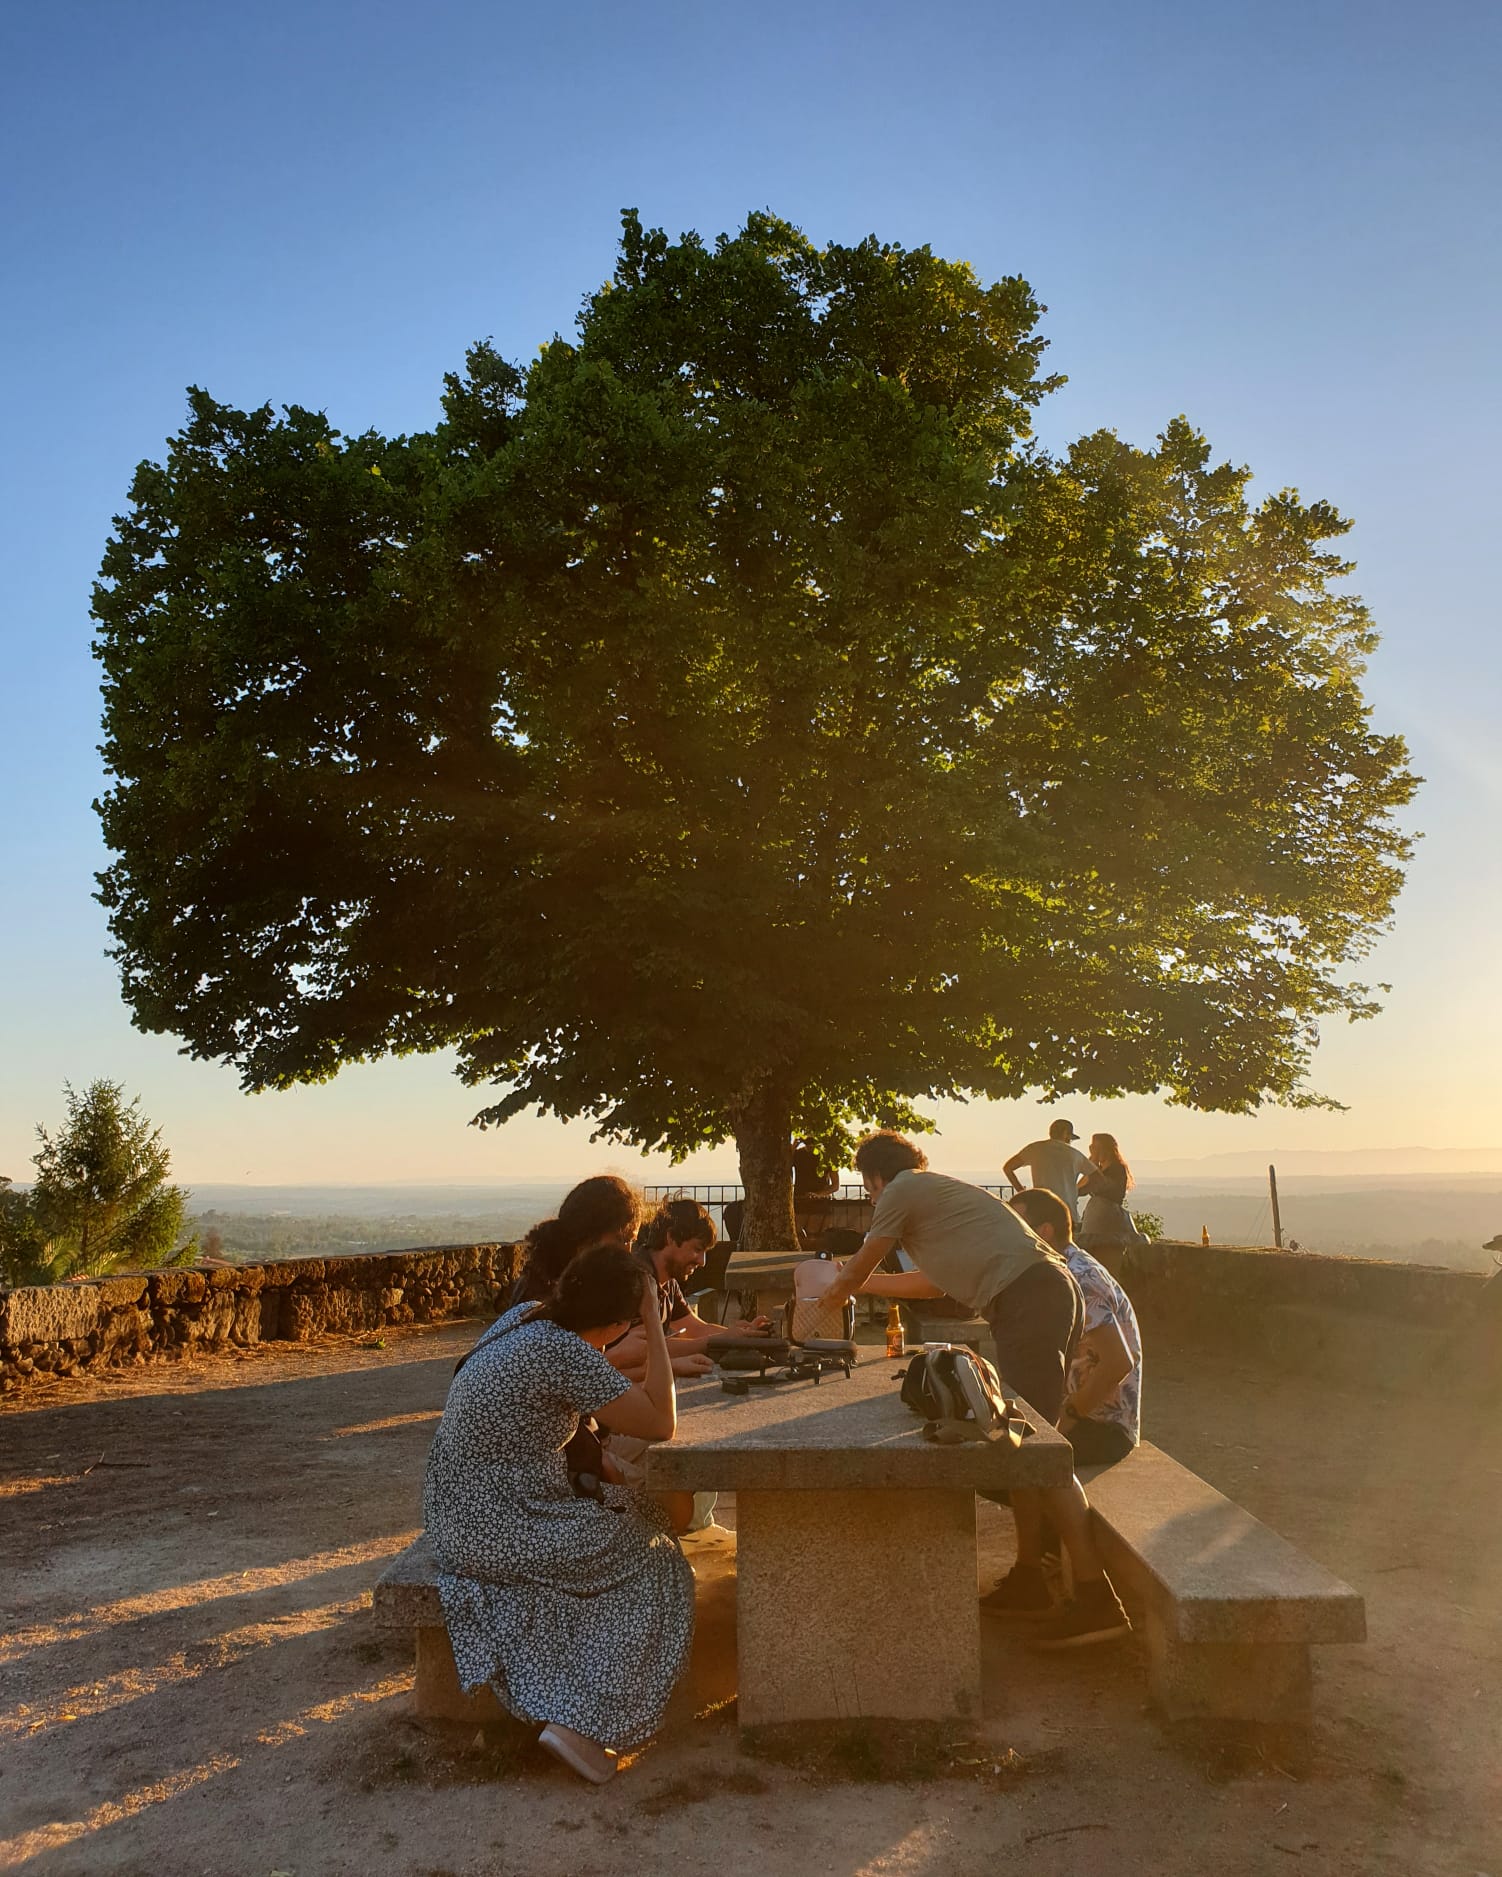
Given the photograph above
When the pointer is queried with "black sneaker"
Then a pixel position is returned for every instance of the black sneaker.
(1022, 1592)
(1092, 1614)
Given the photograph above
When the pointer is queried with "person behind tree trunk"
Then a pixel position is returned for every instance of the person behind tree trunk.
(811, 1178)
(1105, 1225)
(577, 1611)
(966, 1244)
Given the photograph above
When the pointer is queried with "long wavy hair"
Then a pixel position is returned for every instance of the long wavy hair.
(601, 1208)
(1112, 1153)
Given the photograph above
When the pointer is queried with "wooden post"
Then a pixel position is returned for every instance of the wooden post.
(1272, 1187)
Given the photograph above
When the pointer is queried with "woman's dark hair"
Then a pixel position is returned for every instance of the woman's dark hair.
(603, 1207)
(679, 1219)
(599, 1285)
(887, 1154)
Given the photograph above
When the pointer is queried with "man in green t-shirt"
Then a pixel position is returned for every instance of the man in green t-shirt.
(966, 1244)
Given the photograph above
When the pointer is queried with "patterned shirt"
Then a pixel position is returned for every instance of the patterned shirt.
(1106, 1302)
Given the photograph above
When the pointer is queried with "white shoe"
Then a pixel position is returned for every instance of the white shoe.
(590, 1761)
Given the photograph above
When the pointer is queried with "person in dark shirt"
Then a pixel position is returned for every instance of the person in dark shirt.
(1106, 1226)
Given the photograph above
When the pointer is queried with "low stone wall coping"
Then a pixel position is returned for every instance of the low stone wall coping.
(134, 1317)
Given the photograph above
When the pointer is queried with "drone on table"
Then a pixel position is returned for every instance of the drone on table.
(798, 1354)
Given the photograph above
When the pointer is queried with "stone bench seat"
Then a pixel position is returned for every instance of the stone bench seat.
(406, 1599)
(1229, 1609)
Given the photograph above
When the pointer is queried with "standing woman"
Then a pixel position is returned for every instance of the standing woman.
(1106, 1227)
(578, 1611)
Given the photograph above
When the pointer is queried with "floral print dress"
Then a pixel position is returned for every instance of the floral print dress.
(571, 1610)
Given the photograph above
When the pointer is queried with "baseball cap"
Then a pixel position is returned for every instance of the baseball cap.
(1062, 1131)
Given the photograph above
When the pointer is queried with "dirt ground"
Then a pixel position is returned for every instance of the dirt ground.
(189, 1680)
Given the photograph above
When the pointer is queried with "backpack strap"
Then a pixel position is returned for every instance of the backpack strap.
(497, 1330)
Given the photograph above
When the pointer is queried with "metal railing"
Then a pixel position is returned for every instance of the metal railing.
(729, 1190)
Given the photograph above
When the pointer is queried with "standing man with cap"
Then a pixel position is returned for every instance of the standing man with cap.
(1055, 1164)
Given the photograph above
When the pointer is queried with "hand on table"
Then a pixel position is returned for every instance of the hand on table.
(692, 1365)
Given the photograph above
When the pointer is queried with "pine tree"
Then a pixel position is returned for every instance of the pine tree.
(101, 1201)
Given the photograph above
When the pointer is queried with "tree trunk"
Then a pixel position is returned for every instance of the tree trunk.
(764, 1140)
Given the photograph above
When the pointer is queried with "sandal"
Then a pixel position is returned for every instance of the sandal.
(595, 1763)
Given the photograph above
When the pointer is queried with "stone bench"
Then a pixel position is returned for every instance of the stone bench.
(406, 1599)
(1229, 1610)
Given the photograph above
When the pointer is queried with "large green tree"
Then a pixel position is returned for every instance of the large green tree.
(735, 723)
(101, 1200)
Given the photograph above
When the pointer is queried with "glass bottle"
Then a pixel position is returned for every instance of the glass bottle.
(894, 1331)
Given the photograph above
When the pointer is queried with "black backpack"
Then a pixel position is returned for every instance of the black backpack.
(960, 1397)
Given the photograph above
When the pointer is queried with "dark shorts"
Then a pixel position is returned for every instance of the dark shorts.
(1036, 1322)
(1099, 1443)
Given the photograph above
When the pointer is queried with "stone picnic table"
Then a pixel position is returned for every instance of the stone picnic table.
(856, 1592)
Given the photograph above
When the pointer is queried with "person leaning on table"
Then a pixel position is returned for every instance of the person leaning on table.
(966, 1244)
(1102, 1412)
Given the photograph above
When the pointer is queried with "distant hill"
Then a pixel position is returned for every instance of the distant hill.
(1365, 1162)
(1428, 1217)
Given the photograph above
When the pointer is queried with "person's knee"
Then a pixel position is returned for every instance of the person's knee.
(679, 1507)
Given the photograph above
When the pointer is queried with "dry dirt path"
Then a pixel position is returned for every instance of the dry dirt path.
(189, 1684)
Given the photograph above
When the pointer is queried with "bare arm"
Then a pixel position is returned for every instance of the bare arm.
(650, 1409)
(1010, 1170)
(900, 1284)
(1112, 1365)
(855, 1271)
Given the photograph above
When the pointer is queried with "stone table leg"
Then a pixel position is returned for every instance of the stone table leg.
(855, 1605)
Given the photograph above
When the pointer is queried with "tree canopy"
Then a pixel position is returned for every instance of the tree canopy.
(735, 723)
(101, 1200)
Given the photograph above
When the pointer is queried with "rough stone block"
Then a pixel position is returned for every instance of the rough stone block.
(1228, 1681)
(245, 1322)
(436, 1694)
(406, 1593)
(123, 1288)
(124, 1331)
(50, 1314)
(211, 1321)
(911, 1553)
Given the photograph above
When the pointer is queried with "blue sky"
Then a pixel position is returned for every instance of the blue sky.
(1280, 220)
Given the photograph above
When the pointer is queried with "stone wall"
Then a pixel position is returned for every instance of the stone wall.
(1391, 1327)
(157, 1316)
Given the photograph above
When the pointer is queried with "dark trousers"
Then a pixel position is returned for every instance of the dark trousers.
(1036, 1322)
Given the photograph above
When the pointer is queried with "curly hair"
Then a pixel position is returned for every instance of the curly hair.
(887, 1154)
(602, 1207)
(681, 1220)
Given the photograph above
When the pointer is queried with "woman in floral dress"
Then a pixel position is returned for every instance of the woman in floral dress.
(578, 1611)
